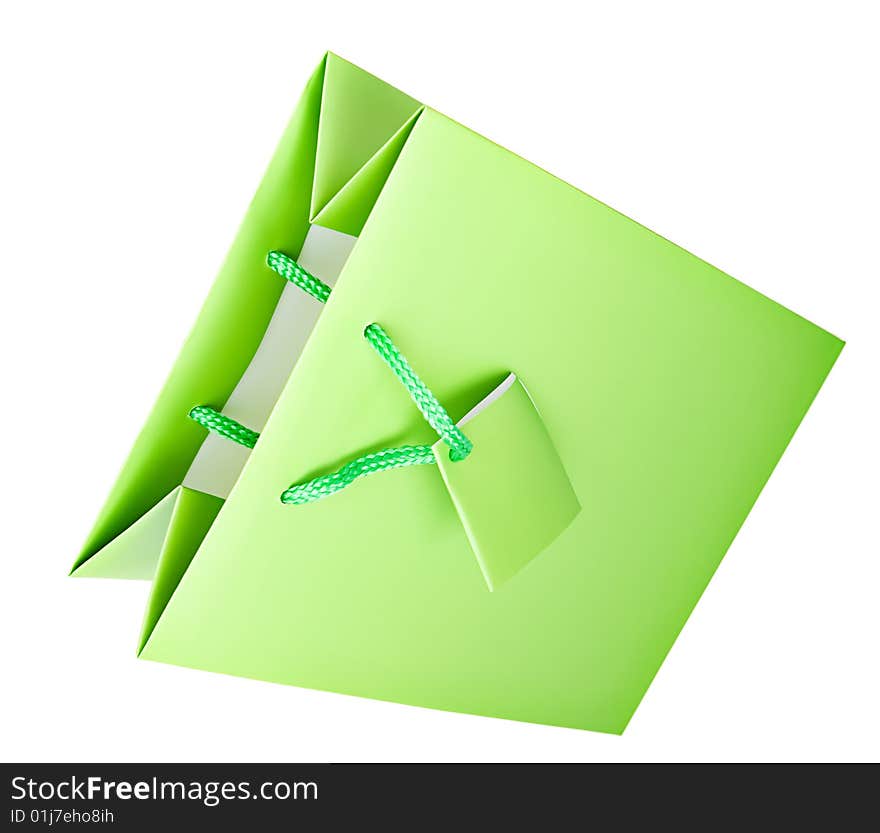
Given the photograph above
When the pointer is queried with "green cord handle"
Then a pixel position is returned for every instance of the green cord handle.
(459, 445)
(290, 270)
(386, 459)
(223, 425)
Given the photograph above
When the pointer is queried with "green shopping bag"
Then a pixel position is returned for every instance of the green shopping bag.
(448, 431)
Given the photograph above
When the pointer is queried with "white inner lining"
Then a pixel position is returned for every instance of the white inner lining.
(484, 403)
(219, 461)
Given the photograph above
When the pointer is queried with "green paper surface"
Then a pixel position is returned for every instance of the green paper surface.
(669, 390)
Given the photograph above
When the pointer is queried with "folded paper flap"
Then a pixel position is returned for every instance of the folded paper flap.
(193, 514)
(348, 209)
(135, 553)
(226, 333)
(359, 114)
(347, 124)
(512, 493)
(159, 547)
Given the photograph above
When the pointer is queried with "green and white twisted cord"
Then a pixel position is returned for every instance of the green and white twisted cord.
(290, 270)
(386, 459)
(223, 425)
(460, 446)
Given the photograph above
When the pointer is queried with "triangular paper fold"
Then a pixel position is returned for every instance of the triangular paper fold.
(135, 553)
(348, 210)
(348, 125)
(193, 514)
(359, 113)
(158, 547)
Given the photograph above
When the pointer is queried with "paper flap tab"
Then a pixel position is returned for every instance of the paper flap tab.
(512, 493)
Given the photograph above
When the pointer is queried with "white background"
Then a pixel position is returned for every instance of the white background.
(132, 137)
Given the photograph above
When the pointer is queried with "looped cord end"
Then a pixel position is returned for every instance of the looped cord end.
(460, 446)
(457, 455)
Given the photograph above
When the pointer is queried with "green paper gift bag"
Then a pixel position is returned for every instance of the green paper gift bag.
(448, 431)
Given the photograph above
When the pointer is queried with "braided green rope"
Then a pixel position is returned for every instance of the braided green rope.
(225, 426)
(460, 446)
(390, 458)
(213, 420)
(385, 460)
(290, 270)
